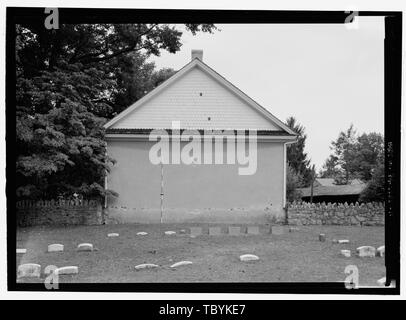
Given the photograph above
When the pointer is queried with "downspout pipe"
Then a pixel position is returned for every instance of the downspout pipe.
(284, 205)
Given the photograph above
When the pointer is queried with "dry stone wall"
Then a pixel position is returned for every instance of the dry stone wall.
(61, 212)
(364, 214)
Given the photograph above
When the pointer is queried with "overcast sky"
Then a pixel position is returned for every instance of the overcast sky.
(327, 76)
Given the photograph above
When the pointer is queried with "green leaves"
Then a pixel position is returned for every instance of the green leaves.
(69, 82)
(297, 158)
(354, 156)
(375, 190)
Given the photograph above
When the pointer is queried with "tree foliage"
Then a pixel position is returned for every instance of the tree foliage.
(293, 181)
(375, 190)
(354, 156)
(296, 156)
(69, 81)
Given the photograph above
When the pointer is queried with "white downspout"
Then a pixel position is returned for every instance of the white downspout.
(284, 171)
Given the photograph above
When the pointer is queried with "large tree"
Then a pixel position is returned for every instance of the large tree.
(369, 154)
(354, 156)
(341, 162)
(296, 156)
(69, 82)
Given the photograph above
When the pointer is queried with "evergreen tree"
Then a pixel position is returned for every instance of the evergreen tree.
(296, 156)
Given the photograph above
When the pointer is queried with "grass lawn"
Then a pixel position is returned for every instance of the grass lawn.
(298, 256)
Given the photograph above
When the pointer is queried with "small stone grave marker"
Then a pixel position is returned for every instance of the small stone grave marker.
(382, 281)
(215, 231)
(346, 253)
(253, 230)
(29, 270)
(277, 230)
(55, 247)
(112, 235)
(343, 241)
(249, 257)
(168, 233)
(366, 251)
(195, 231)
(380, 252)
(181, 263)
(142, 233)
(85, 247)
(146, 266)
(234, 231)
(67, 270)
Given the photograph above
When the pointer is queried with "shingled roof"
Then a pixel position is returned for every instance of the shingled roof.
(334, 190)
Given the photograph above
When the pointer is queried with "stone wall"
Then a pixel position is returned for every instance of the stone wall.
(61, 212)
(364, 214)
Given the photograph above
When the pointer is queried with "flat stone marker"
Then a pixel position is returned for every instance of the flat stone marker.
(146, 266)
(195, 231)
(85, 247)
(252, 230)
(55, 247)
(234, 231)
(21, 251)
(67, 270)
(168, 233)
(181, 263)
(215, 231)
(322, 237)
(382, 281)
(112, 235)
(277, 230)
(249, 257)
(380, 252)
(29, 270)
(346, 253)
(183, 231)
(366, 251)
(343, 241)
(142, 233)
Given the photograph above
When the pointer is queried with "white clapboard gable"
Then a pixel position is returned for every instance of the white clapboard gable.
(198, 98)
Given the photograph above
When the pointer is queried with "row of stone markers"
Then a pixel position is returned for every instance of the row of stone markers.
(363, 251)
(243, 258)
(366, 251)
(153, 265)
(234, 231)
(217, 231)
(33, 270)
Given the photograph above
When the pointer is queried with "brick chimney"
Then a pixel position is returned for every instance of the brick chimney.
(197, 54)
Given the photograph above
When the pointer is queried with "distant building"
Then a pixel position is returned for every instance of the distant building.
(325, 190)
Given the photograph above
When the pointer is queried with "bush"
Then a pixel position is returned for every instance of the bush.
(293, 181)
(375, 189)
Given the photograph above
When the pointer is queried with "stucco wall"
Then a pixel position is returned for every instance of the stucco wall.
(194, 193)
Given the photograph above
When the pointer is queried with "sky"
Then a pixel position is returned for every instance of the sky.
(326, 76)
